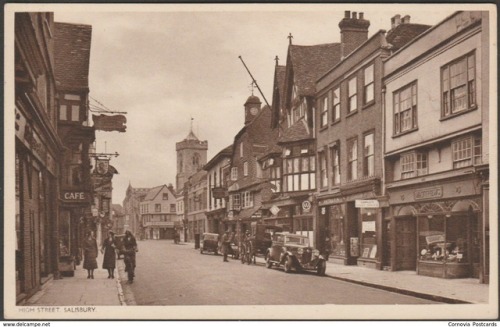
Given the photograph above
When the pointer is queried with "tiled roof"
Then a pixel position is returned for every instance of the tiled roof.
(311, 62)
(226, 152)
(272, 149)
(72, 55)
(296, 132)
(153, 192)
(404, 33)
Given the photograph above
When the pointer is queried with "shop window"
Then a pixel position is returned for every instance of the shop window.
(324, 111)
(336, 104)
(466, 151)
(368, 87)
(405, 109)
(458, 80)
(414, 164)
(352, 169)
(443, 239)
(336, 229)
(368, 234)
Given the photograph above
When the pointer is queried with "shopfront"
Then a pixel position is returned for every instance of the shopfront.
(351, 227)
(438, 229)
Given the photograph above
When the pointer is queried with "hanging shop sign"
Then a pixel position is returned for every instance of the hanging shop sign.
(102, 166)
(110, 123)
(367, 204)
(274, 210)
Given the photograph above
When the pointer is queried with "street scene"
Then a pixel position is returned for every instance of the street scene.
(275, 157)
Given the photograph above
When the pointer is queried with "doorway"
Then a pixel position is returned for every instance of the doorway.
(406, 243)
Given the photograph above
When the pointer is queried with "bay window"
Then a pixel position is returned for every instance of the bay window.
(299, 168)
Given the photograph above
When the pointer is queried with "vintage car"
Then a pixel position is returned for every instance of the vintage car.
(209, 243)
(292, 251)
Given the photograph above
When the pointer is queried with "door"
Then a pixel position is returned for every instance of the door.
(406, 244)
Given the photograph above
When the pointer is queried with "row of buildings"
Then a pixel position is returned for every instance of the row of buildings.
(376, 147)
(60, 193)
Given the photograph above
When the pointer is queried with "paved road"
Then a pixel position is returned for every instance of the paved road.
(169, 274)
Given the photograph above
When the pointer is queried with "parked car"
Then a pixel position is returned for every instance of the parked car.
(292, 251)
(119, 245)
(209, 243)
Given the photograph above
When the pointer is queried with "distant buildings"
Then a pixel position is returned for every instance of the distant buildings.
(158, 213)
(133, 197)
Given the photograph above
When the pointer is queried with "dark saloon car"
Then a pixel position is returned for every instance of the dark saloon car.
(209, 243)
(292, 251)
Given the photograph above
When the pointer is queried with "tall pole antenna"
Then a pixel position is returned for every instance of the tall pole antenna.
(254, 81)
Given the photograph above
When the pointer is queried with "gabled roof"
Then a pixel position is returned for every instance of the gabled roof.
(404, 33)
(153, 193)
(311, 62)
(224, 153)
(278, 93)
(117, 208)
(272, 149)
(72, 55)
(297, 132)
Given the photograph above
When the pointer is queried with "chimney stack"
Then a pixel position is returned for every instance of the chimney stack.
(353, 32)
(406, 19)
(395, 21)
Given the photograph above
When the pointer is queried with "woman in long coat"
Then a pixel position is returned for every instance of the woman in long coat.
(90, 254)
(108, 248)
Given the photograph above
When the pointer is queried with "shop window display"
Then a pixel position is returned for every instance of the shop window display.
(368, 234)
(443, 239)
(337, 231)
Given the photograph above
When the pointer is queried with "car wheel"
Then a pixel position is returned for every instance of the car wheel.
(269, 264)
(288, 264)
(321, 270)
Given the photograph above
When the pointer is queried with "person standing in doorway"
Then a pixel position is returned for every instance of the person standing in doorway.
(108, 249)
(90, 254)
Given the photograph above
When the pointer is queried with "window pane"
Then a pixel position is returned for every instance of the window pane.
(304, 182)
(296, 182)
(368, 74)
(75, 113)
(352, 86)
(63, 112)
(305, 164)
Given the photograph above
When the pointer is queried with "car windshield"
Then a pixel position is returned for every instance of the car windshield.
(210, 237)
(299, 240)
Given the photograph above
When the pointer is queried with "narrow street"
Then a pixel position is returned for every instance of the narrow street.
(169, 274)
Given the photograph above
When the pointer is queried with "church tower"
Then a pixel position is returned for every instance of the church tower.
(191, 157)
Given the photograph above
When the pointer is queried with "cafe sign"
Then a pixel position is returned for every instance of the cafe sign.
(75, 196)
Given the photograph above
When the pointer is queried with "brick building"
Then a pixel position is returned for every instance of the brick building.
(195, 201)
(248, 187)
(436, 150)
(217, 177)
(351, 200)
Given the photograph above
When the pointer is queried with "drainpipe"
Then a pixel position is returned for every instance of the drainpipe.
(383, 142)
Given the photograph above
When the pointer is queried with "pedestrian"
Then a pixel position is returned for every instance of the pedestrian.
(130, 248)
(90, 254)
(225, 245)
(108, 249)
(328, 246)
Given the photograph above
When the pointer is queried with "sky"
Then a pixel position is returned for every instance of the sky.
(166, 64)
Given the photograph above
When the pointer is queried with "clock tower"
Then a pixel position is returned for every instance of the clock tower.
(252, 108)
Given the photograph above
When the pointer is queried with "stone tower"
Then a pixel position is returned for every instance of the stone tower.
(191, 157)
